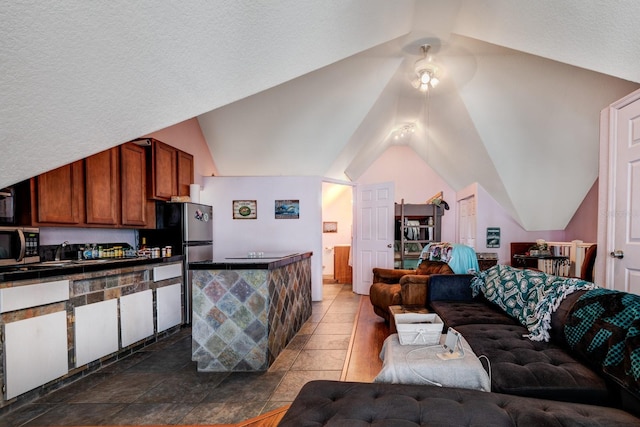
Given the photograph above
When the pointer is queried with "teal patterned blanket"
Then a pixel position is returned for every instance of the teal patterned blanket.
(530, 296)
(604, 327)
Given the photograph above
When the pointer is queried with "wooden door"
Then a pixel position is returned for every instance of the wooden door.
(624, 251)
(185, 172)
(375, 214)
(164, 171)
(102, 192)
(58, 195)
(133, 187)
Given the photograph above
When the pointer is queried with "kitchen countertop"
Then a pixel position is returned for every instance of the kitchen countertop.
(56, 268)
(269, 261)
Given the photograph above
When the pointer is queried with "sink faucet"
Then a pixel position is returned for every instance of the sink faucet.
(59, 250)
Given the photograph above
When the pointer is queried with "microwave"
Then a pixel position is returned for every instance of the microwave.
(19, 245)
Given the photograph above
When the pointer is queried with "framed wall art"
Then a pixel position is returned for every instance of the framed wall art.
(245, 209)
(287, 209)
(493, 237)
(329, 227)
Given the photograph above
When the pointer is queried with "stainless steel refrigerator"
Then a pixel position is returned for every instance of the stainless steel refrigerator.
(188, 228)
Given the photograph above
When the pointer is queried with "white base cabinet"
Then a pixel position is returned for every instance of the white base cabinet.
(96, 331)
(136, 317)
(35, 352)
(169, 306)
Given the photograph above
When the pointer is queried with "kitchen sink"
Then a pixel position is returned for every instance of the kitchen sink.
(59, 263)
(71, 262)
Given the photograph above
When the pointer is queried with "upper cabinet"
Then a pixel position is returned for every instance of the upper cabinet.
(114, 188)
(172, 171)
(164, 167)
(57, 196)
(185, 173)
(102, 193)
(133, 179)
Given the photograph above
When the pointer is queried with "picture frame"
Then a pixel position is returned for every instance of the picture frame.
(287, 209)
(245, 209)
(329, 227)
(493, 237)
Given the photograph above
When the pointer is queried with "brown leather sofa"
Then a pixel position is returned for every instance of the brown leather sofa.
(402, 287)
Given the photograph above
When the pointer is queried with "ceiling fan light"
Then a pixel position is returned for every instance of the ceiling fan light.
(425, 77)
(435, 81)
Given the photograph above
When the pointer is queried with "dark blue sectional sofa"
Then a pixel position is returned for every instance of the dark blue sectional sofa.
(584, 372)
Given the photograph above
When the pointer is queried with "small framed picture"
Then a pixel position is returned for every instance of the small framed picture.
(329, 227)
(245, 209)
(287, 209)
(493, 237)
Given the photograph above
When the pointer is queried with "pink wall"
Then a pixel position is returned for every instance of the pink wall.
(414, 180)
(584, 224)
(187, 136)
(491, 214)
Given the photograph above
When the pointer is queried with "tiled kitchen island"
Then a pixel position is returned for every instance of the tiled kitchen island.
(246, 310)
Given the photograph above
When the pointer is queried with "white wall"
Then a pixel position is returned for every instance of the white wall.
(267, 234)
(337, 206)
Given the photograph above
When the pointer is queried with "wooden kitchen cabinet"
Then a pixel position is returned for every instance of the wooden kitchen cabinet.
(102, 179)
(342, 271)
(57, 197)
(164, 171)
(114, 188)
(133, 176)
(185, 172)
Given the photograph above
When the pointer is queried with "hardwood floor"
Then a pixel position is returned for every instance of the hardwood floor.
(363, 359)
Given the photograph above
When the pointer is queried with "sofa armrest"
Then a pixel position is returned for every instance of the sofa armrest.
(413, 289)
(449, 287)
(386, 275)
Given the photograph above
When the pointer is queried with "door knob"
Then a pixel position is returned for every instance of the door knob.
(389, 245)
(617, 254)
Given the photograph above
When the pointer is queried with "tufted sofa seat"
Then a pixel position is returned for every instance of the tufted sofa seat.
(520, 366)
(332, 403)
(534, 368)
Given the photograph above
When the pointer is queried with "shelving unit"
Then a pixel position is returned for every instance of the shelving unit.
(416, 225)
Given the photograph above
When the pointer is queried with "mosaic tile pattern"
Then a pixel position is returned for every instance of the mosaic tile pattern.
(290, 296)
(242, 319)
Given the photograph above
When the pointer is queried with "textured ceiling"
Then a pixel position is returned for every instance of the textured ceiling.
(315, 88)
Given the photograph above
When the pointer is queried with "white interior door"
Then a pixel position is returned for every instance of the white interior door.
(467, 221)
(624, 250)
(374, 215)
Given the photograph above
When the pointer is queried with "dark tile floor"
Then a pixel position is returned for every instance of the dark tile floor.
(160, 384)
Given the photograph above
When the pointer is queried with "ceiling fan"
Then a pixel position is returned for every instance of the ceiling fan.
(426, 71)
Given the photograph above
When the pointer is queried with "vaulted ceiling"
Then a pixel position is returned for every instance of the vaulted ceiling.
(294, 87)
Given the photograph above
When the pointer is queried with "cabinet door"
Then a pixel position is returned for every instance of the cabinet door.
(58, 195)
(35, 352)
(102, 194)
(136, 317)
(133, 177)
(165, 180)
(185, 172)
(342, 271)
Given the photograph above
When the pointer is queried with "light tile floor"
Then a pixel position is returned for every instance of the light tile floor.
(160, 384)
